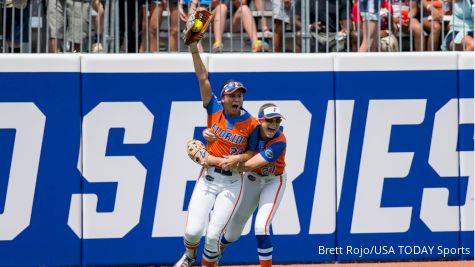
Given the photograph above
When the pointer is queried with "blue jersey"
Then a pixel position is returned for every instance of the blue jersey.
(272, 150)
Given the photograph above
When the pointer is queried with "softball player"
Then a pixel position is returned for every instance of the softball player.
(264, 181)
(216, 188)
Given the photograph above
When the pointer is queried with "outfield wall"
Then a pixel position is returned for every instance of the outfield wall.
(93, 169)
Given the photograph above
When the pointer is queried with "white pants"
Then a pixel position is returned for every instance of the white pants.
(265, 191)
(219, 193)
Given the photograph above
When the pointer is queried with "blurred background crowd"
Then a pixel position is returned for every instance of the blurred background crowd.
(291, 26)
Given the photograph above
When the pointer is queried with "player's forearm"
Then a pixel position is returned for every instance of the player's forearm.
(198, 64)
(245, 157)
(201, 73)
(213, 161)
(242, 160)
(255, 162)
(233, 161)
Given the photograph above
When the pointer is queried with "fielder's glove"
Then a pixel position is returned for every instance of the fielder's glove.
(197, 152)
(196, 25)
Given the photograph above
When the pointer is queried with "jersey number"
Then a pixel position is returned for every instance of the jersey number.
(236, 151)
(268, 170)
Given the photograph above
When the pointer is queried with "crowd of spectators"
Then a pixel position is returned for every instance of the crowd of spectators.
(130, 26)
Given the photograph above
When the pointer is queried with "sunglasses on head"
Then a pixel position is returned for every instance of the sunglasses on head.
(276, 120)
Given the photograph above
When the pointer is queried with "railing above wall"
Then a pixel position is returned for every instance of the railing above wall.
(310, 26)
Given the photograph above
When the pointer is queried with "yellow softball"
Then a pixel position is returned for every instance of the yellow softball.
(197, 25)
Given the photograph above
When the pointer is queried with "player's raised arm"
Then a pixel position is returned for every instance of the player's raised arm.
(201, 73)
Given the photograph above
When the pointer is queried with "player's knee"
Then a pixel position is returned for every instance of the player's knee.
(260, 228)
(230, 236)
(234, 230)
(212, 237)
(193, 234)
(261, 224)
(192, 239)
(212, 243)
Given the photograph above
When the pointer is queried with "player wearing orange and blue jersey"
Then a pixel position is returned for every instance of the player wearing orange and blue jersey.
(264, 181)
(232, 131)
(216, 189)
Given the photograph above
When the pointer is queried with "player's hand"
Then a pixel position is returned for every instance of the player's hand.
(208, 135)
(193, 32)
(230, 162)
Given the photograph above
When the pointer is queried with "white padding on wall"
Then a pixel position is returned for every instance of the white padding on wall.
(466, 60)
(139, 63)
(395, 61)
(39, 63)
(271, 62)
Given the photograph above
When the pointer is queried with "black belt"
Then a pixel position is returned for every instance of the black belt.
(223, 172)
(273, 174)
